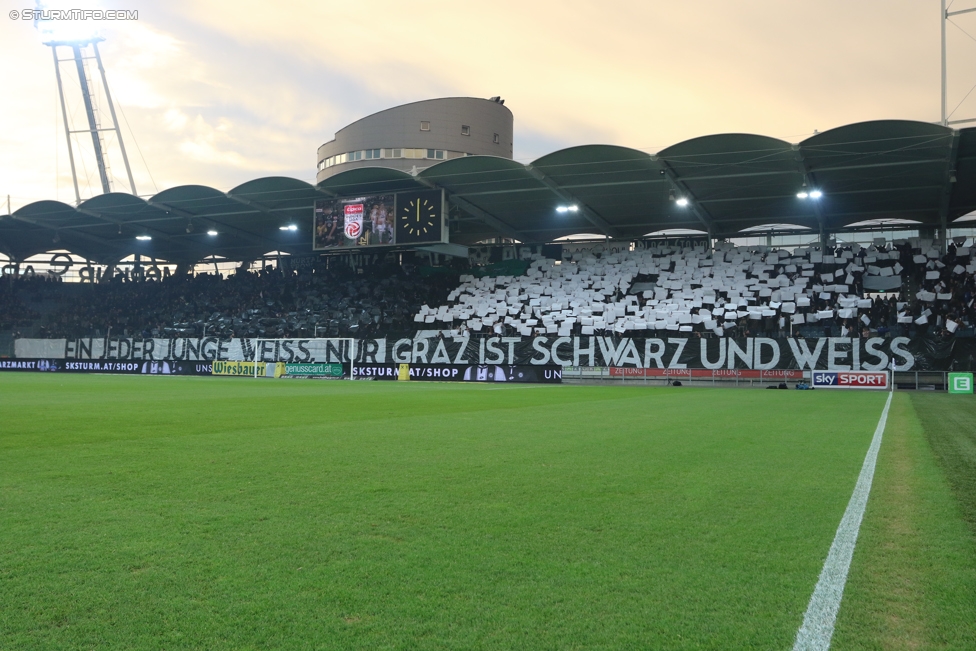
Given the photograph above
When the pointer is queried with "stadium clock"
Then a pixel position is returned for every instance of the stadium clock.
(418, 217)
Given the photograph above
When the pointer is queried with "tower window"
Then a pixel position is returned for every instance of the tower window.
(465, 130)
(497, 139)
(424, 125)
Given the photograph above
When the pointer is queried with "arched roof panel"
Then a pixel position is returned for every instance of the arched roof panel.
(622, 185)
(726, 153)
(506, 190)
(736, 176)
(369, 180)
(882, 168)
(887, 169)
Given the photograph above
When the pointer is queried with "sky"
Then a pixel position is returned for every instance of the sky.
(217, 93)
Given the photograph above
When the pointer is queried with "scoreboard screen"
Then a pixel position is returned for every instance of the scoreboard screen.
(400, 219)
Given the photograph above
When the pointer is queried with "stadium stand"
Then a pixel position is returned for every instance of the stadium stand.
(729, 293)
(16, 312)
(337, 302)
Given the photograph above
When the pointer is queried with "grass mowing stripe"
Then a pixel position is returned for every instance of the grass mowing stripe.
(241, 514)
(818, 622)
(912, 582)
(949, 427)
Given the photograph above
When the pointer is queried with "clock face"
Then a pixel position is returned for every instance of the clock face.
(418, 217)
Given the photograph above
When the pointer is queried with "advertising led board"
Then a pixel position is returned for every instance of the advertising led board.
(405, 218)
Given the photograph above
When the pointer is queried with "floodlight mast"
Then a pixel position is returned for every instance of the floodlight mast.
(101, 156)
(944, 18)
(115, 121)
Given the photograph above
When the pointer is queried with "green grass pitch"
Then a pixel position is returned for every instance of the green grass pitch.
(206, 513)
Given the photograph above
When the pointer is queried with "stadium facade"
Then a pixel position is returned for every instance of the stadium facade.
(415, 136)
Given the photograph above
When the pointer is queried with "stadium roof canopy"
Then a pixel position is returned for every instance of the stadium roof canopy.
(889, 169)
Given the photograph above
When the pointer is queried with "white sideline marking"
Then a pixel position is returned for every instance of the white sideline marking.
(818, 622)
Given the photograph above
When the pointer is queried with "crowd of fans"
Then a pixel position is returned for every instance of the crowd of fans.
(337, 302)
(729, 292)
(16, 308)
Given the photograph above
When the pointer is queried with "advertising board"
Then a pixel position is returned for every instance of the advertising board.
(452, 373)
(849, 380)
(379, 220)
(960, 382)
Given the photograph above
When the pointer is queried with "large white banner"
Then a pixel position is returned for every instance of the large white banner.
(758, 353)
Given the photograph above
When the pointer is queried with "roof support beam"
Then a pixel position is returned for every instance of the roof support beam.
(482, 215)
(264, 210)
(244, 235)
(118, 222)
(681, 188)
(591, 215)
(709, 177)
(810, 182)
(950, 179)
(154, 231)
(833, 194)
(485, 217)
(85, 236)
(833, 168)
(261, 208)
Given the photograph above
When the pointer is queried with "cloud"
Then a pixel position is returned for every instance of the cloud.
(221, 92)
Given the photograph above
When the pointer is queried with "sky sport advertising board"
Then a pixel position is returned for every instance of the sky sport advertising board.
(850, 380)
(379, 220)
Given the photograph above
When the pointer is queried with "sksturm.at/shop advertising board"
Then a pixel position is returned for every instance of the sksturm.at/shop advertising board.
(849, 379)
(106, 366)
(450, 373)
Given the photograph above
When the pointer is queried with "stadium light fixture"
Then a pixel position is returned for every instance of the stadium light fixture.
(212, 233)
(565, 209)
(64, 31)
(682, 202)
(143, 238)
(289, 227)
(815, 194)
(802, 195)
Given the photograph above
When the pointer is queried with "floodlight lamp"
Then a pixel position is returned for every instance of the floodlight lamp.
(143, 238)
(288, 227)
(815, 194)
(682, 202)
(212, 233)
(64, 32)
(802, 195)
